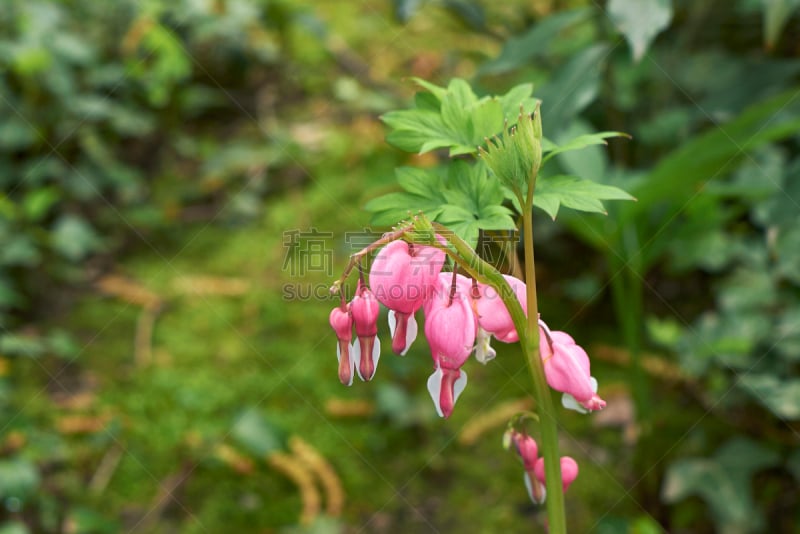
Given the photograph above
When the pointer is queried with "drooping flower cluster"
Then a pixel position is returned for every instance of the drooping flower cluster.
(534, 467)
(362, 355)
(461, 317)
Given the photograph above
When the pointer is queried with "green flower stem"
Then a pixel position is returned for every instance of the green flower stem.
(528, 331)
(544, 402)
(627, 293)
(355, 259)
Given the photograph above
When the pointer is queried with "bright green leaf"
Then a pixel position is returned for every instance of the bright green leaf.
(519, 95)
(582, 141)
(573, 192)
(590, 162)
(434, 89)
(461, 123)
(38, 202)
(29, 346)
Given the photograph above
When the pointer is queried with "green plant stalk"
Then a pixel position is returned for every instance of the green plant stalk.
(528, 331)
(627, 295)
(544, 401)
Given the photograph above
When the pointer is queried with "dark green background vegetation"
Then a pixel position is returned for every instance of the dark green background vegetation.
(155, 346)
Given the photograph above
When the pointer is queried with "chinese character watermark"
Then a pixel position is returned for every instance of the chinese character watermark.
(308, 252)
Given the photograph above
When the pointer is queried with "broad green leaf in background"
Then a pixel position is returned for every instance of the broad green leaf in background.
(74, 238)
(38, 202)
(14, 528)
(253, 432)
(572, 88)
(640, 21)
(776, 14)
(707, 157)
(793, 464)
(781, 397)
(535, 42)
(19, 478)
(573, 192)
(85, 519)
(405, 9)
(469, 12)
(723, 481)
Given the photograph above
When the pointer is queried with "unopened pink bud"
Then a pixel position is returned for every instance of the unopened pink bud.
(569, 471)
(527, 449)
(342, 324)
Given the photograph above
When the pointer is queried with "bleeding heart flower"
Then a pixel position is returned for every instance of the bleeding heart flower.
(342, 324)
(450, 329)
(402, 276)
(364, 309)
(492, 313)
(566, 367)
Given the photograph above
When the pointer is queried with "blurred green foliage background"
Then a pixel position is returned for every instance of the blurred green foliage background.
(165, 359)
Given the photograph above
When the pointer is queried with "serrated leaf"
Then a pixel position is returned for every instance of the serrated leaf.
(640, 21)
(573, 192)
(461, 222)
(471, 188)
(413, 129)
(422, 192)
(582, 141)
(519, 95)
(393, 207)
(461, 123)
(486, 119)
(434, 89)
(591, 162)
(423, 182)
(467, 201)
